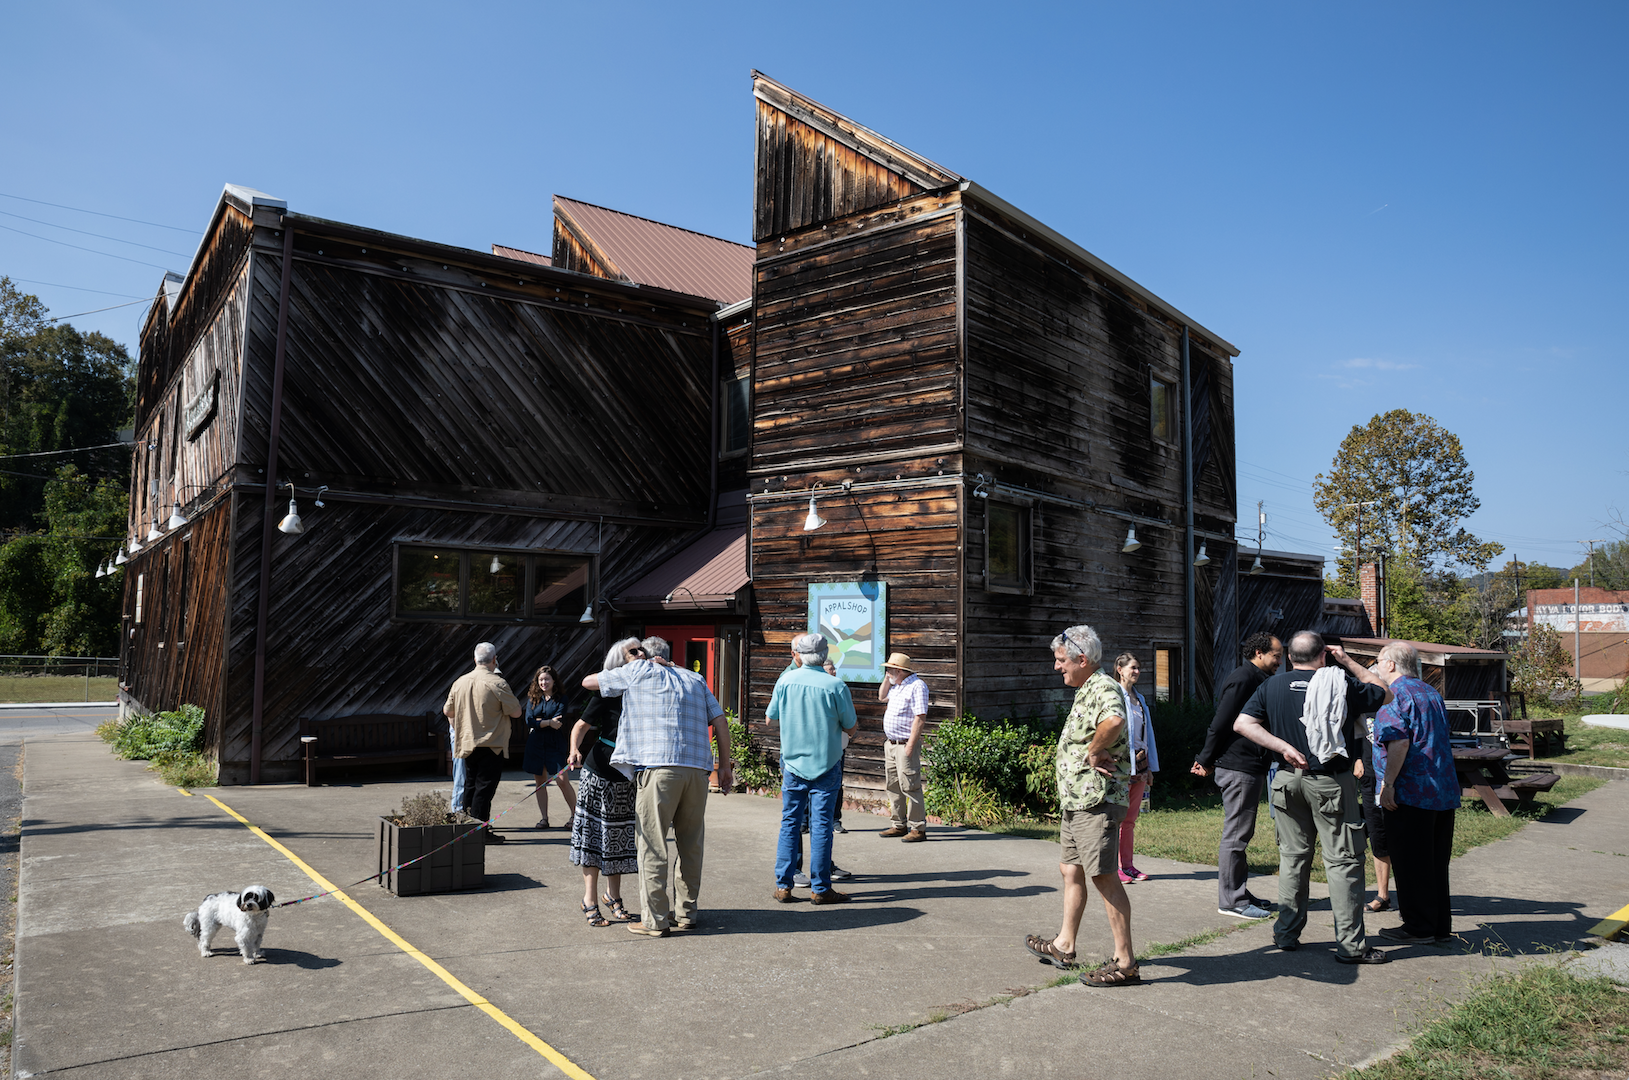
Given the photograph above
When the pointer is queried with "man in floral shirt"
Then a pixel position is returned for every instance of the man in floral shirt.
(1094, 781)
(1419, 792)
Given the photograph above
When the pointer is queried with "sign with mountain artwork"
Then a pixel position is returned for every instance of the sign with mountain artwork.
(853, 617)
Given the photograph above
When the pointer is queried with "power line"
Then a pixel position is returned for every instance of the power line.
(93, 251)
(76, 288)
(99, 236)
(98, 213)
(49, 453)
(93, 311)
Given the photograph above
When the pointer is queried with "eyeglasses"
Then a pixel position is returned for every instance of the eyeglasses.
(637, 651)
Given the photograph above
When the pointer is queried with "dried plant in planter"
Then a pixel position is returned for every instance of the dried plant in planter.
(429, 808)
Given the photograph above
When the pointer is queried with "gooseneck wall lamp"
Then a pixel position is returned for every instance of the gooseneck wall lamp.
(1132, 543)
(814, 520)
(1202, 559)
(291, 523)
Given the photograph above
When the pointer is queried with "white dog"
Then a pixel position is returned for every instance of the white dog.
(245, 912)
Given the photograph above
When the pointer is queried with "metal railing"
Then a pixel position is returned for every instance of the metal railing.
(86, 667)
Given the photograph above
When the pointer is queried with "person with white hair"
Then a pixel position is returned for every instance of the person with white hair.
(480, 706)
(1094, 770)
(813, 709)
(1419, 793)
(602, 828)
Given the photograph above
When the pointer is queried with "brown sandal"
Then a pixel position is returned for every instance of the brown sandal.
(1111, 974)
(618, 912)
(1378, 904)
(1046, 952)
(591, 912)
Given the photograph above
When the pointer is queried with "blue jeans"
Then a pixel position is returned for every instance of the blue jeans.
(818, 800)
(458, 783)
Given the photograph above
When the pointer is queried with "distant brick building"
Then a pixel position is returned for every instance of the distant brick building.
(1601, 619)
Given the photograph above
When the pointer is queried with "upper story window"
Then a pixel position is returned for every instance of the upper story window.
(1008, 555)
(1162, 408)
(471, 585)
(736, 418)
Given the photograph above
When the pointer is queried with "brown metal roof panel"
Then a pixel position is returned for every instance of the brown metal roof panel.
(707, 574)
(652, 253)
(522, 256)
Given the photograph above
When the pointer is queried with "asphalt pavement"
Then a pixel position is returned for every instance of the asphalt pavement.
(923, 975)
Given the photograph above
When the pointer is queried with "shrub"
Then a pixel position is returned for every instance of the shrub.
(967, 802)
(991, 755)
(173, 741)
(428, 808)
(752, 767)
(1541, 667)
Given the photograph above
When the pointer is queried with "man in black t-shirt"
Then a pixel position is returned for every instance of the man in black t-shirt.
(1313, 797)
(1240, 769)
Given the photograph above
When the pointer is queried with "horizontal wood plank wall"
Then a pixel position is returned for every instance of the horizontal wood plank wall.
(214, 273)
(177, 654)
(856, 347)
(400, 385)
(333, 648)
(190, 471)
(906, 537)
(1058, 363)
(804, 177)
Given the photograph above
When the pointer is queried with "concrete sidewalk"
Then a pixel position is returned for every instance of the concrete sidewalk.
(108, 984)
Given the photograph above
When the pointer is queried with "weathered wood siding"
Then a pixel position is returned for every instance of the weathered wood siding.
(1058, 367)
(856, 377)
(176, 654)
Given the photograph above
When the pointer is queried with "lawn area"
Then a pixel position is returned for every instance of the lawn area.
(1591, 745)
(19, 688)
(1188, 828)
(1539, 1021)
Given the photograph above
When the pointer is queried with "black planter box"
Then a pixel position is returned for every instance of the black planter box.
(460, 866)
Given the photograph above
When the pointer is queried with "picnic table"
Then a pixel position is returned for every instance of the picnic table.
(1482, 774)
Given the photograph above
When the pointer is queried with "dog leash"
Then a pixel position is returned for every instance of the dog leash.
(399, 866)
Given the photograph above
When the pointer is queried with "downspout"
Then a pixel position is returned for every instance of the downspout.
(1188, 631)
(261, 614)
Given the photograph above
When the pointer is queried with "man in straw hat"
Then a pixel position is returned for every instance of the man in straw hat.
(907, 698)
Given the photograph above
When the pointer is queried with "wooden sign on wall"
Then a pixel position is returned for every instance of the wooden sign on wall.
(201, 407)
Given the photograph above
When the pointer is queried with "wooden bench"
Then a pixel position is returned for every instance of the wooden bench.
(342, 741)
(1528, 735)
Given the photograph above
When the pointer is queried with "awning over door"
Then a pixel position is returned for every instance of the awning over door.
(706, 575)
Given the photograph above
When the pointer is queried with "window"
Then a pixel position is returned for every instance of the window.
(141, 581)
(476, 586)
(1007, 552)
(1167, 674)
(737, 419)
(1162, 408)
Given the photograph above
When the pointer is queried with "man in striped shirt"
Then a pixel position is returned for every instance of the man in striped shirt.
(907, 698)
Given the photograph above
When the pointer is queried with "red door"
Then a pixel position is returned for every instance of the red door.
(694, 647)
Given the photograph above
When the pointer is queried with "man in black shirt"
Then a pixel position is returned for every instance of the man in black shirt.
(1240, 769)
(1313, 796)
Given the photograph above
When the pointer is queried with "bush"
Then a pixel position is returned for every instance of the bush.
(752, 767)
(990, 758)
(173, 741)
(429, 808)
(1541, 668)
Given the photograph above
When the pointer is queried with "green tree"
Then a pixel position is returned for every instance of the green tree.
(1611, 566)
(21, 314)
(59, 389)
(1415, 475)
(1541, 667)
(51, 600)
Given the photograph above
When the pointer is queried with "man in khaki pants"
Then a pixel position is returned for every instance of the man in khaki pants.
(907, 698)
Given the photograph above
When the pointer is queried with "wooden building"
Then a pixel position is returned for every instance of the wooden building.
(1007, 432)
(473, 460)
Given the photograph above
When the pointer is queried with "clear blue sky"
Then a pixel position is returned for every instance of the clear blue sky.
(1383, 205)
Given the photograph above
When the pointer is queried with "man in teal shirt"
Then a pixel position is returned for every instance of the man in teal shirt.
(813, 710)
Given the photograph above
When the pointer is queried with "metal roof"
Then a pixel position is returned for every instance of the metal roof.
(522, 256)
(707, 574)
(651, 253)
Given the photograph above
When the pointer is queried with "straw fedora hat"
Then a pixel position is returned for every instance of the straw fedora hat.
(901, 661)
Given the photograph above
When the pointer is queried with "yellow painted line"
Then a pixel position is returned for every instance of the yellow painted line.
(557, 1059)
(1612, 924)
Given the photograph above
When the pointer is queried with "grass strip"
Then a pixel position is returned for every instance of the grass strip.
(1534, 1023)
(57, 688)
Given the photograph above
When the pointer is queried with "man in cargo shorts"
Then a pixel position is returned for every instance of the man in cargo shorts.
(1094, 783)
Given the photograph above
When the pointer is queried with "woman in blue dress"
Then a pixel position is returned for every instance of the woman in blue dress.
(547, 743)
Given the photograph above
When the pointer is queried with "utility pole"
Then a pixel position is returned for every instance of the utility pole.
(1592, 543)
(1357, 550)
(1577, 620)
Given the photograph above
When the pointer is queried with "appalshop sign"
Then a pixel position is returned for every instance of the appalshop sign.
(201, 406)
(1589, 618)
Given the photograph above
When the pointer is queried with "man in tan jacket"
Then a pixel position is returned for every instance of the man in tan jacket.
(480, 705)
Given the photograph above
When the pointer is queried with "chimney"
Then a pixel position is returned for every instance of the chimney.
(1369, 592)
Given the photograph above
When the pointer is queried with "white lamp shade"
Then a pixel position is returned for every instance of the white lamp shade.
(155, 533)
(1202, 559)
(1132, 543)
(291, 523)
(177, 518)
(814, 520)
(119, 559)
(135, 545)
(1256, 567)
(100, 570)
(588, 614)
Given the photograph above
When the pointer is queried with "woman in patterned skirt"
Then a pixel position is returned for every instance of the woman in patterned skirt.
(602, 829)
